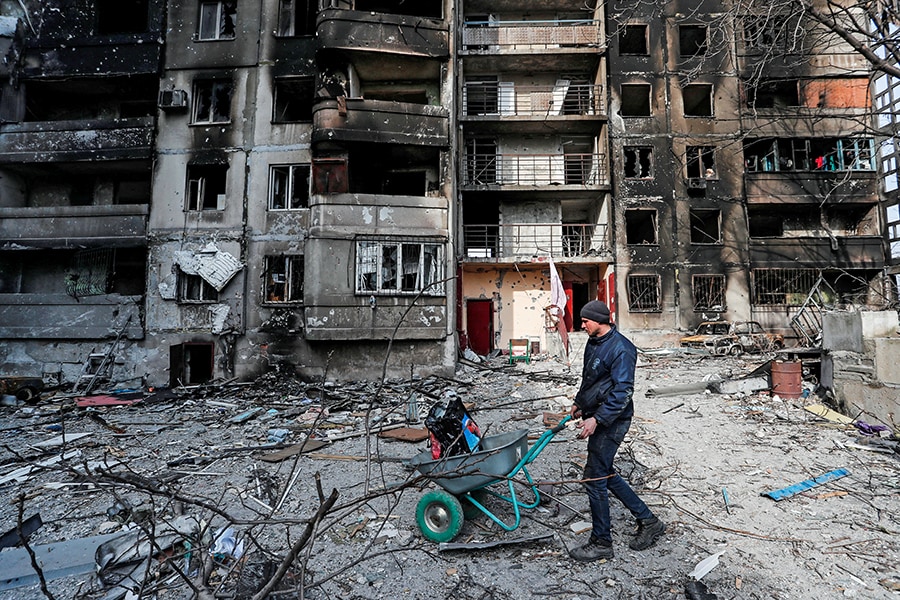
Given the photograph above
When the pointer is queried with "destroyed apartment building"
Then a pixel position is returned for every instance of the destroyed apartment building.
(196, 190)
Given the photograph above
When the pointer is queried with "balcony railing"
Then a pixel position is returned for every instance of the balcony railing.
(587, 169)
(528, 239)
(77, 140)
(488, 36)
(508, 99)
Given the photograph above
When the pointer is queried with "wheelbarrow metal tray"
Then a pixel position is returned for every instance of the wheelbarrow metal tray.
(498, 456)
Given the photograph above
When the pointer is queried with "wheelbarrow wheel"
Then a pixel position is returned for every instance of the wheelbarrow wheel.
(439, 515)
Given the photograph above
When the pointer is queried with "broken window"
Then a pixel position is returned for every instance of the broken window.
(212, 101)
(812, 154)
(708, 292)
(635, 100)
(294, 100)
(640, 226)
(758, 32)
(692, 40)
(90, 273)
(217, 20)
(774, 94)
(121, 16)
(283, 279)
(194, 289)
(705, 226)
(638, 162)
(297, 17)
(700, 162)
(289, 187)
(399, 267)
(643, 293)
(765, 223)
(788, 287)
(206, 187)
(698, 100)
(633, 40)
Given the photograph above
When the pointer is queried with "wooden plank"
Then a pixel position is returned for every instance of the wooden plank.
(826, 413)
(406, 434)
(307, 446)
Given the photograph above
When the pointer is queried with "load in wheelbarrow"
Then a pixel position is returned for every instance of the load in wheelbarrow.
(466, 480)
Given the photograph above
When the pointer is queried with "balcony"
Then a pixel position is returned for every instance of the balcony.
(858, 252)
(506, 99)
(74, 226)
(380, 121)
(575, 169)
(77, 140)
(493, 243)
(124, 54)
(379, 32)
(526, 37)
(59, 316)
(811, 187)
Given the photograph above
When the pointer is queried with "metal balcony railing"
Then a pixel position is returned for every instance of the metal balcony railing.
(507, 99)
(488, 36)
(529, 239)
(586, 169)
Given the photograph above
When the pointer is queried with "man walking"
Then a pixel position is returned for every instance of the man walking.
(604, 402)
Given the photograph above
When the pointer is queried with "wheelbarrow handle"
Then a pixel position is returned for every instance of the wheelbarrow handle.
(562, 424)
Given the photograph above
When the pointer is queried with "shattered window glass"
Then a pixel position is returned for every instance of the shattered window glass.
(289, 187)
(407, 267)
(212, 102)
(90, 274)
(284, 279)
(217, 20)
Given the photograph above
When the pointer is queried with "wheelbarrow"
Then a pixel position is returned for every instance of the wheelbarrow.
(466, 480)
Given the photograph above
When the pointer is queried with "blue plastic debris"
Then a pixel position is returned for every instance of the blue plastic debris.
(805, 485)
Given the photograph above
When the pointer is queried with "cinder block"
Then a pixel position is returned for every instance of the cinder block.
(887, 357)
(842, 331)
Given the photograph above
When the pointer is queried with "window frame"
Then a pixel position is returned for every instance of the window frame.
(289, 18)
(651, 281)
(706, 169)
(198, 179)
(213, 94)
(373, 270)
(292, 269)
(719, 283)
(291, 186)
(282, 86)
(634, 26)
(689, 90)
(701, 49)
(695, 213)
(218, 10)
(636, 86)
(637, 150)
(206, 292)
(652, 214)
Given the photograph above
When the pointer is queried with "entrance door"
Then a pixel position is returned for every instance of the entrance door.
(480, 325)
(190, 363)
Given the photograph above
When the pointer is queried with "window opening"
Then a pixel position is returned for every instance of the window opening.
(289, 187)
(638, 162)
(640, 226)
(774, 94)
(698, 100)
(212, 102)
(635, 100)
(283, 278)
(481, 161)
(788, 287)
(700, 162)
(708, 292)
(480, 95)
(294, 100)
(297, 17)
(705, 226)
(643, 293)
(190, 363)
(90, 273)
(692, 40)
(194, 289)
(206, 187)
(399, 267)
(217, 20)
(633, 39)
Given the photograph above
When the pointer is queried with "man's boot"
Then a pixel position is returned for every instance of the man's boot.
(595, 549)
(648, 531)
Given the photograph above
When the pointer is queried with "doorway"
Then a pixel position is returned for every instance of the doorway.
(190, 363)
(480, 326)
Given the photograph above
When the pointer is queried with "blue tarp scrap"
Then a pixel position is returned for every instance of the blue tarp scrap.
(805, 485)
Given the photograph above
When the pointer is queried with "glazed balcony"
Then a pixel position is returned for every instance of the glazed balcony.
(76, 140)
(514, 241)
(505, 99)
(526, 37)
(483, 170)
(380, 121)
(857, 252)
(340, 29)
(74, 226)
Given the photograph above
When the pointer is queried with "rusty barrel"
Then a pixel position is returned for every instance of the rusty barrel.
(787, 378)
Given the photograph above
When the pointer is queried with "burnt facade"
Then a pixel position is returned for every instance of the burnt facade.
(744, 167)
(215, 188)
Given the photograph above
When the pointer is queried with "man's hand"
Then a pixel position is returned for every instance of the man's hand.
(587, 427)
(575, 412)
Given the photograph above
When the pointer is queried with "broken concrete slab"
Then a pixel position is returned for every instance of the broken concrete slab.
(747, 385)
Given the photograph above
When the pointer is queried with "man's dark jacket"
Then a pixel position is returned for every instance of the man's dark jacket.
(607, 378)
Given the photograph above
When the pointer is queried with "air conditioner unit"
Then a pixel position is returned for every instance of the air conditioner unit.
(169, 99)
(696, 183)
